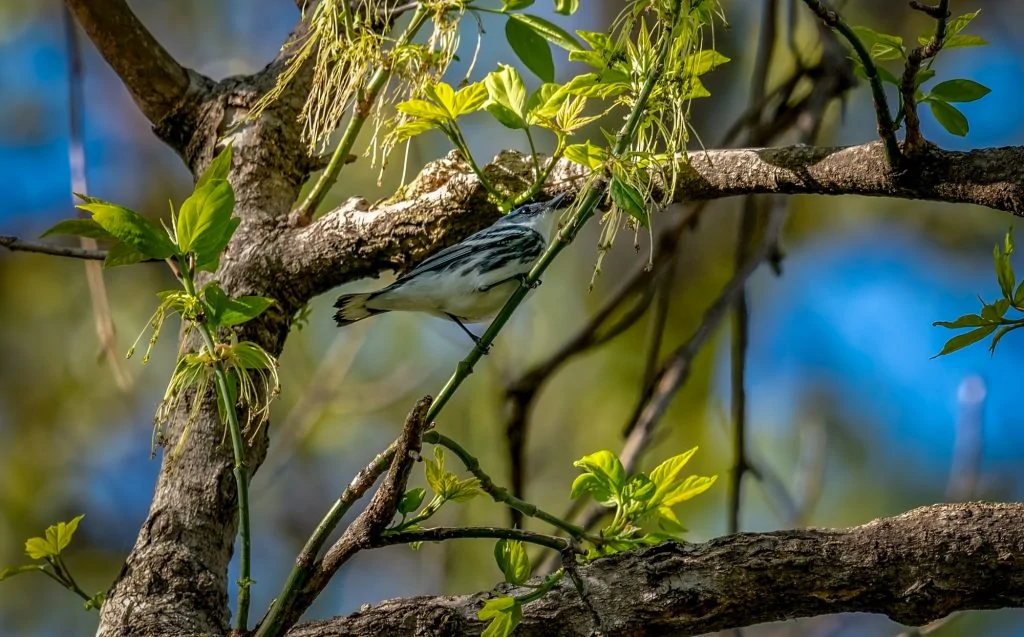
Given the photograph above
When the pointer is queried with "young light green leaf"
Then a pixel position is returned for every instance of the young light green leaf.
(549, 31)
(122, 254)
(505, 614)
(423, 110)
(411, 500)
(963, 340)
(78, 228)
(435, 471)
(668, 522)
(950, 117)
(470, 98)
(544, 103)
(506, 99)
(963, 41)
(881, 45)
(1000, 333)
(11, 571)
(531, 48)
(243, 309)
(959, 91)
(589, 483)
(668, 475)
(703, 61)
(513, 5)
(690, 487)
(1004, 272)
(629, 200)
(461, 490)
(444, 96)
(1018, 296)
(586, 154)
(205, 219)
(601, 86)
(60, 534)
(131, 228)
(512, 560)
(413, 128)
(605, 465)
(567, 7)
(219, 168)
(211, 260)
(40, 548)
(959, 23)
(638, 491)
(216, 299)
(967, 320)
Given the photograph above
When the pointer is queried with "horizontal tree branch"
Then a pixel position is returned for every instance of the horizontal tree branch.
(446, 202)
(155, 80)
(14, 244)
(914, 568)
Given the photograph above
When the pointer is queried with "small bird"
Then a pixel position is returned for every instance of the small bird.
(469, 281)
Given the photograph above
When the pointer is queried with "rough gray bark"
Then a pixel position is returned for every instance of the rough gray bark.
(914, 567)
(174, 582)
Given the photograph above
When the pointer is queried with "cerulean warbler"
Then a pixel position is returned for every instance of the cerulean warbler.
(468, 281)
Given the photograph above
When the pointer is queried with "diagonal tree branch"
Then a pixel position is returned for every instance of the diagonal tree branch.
(155, 80)
(892, 566)
(447, 203)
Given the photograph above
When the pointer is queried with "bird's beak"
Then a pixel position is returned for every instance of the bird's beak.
(556, 200)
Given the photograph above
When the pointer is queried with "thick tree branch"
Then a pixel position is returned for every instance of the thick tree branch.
(155, 80)
(915, 568)
(447, 203)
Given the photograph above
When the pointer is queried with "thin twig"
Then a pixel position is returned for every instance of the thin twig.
(308, 577)
(886, 126)
(440, 534)
(105, 330)
(914, 141)
(14, 244)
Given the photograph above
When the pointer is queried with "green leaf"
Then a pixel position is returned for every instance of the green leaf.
(628, 199)
(638, 491)
(690, 487)
(923, 76)
(959, 91)
(512, 560)
(597, 85)
(131, 228)
(96, 601)
(1018, 296)
(967, 320)
(999, 335)
(589, 483)
(470, 98)
(78, 228)
(959, 23)
(204, 221)
(586, 154)
(435, 471)
(606, 466)
(212, 261)
(668, 522)
(243, 309)
(950, 117)
(216, 298)
(60, 534)
(505, 614)
(1004, 272)
(413, 128)
(702, 62)
(444, 95)
(11, 571)
(531, 48)
(962, 41)
(544, 103)
(462, 490)
(506, 97)
(668, 475)
(411, 500)
(881, 45)
(567, 7)
(122, 254)
(424, 110)
(549, 31)
(963, 340)
(512, 5)
(39, 548)
(219, 168)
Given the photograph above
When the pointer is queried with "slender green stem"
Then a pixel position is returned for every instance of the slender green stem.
(533, 154)
(549, 582)
(441, 534)
(534, 188)
(455, 135)
(590, 198)
(428, 512)
(360, 113)
(62, 576)
(274, 622)
(239, 469)
(500, 494)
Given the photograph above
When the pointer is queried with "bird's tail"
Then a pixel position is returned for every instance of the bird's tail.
(352, 308)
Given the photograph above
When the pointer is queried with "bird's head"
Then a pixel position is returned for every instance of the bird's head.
(542, 216)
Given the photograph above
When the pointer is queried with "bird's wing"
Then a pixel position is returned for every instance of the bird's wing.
(489, 239)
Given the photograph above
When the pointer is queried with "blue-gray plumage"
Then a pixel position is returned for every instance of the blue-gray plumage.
(469, 281)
